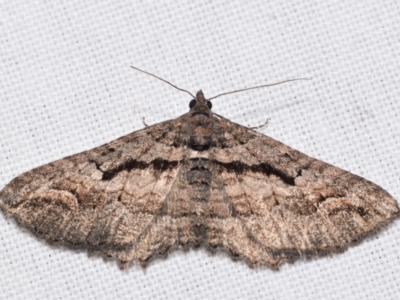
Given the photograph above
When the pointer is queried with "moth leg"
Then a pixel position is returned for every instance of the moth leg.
(260, 126)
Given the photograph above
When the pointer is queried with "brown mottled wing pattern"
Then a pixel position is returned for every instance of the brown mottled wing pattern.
(286, 202)
(193, 181)
(104, 199)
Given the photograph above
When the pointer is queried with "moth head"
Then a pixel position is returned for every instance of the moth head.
(200, 104)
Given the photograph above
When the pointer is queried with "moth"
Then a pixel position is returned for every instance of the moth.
(197, 180)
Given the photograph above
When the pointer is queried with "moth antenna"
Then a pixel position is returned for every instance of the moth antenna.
(257, 87)
(163, 80)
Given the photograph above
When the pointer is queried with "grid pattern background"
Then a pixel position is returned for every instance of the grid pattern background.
(66, 86)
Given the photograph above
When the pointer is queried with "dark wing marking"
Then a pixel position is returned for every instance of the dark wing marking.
(105, 198)
(285, 201)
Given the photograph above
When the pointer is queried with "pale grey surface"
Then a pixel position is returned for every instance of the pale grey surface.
(66, 86)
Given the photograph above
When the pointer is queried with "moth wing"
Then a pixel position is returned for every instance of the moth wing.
(286, 202)
(105, 198)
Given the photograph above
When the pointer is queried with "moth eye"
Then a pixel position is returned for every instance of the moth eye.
(192, 103)
(209, 104)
